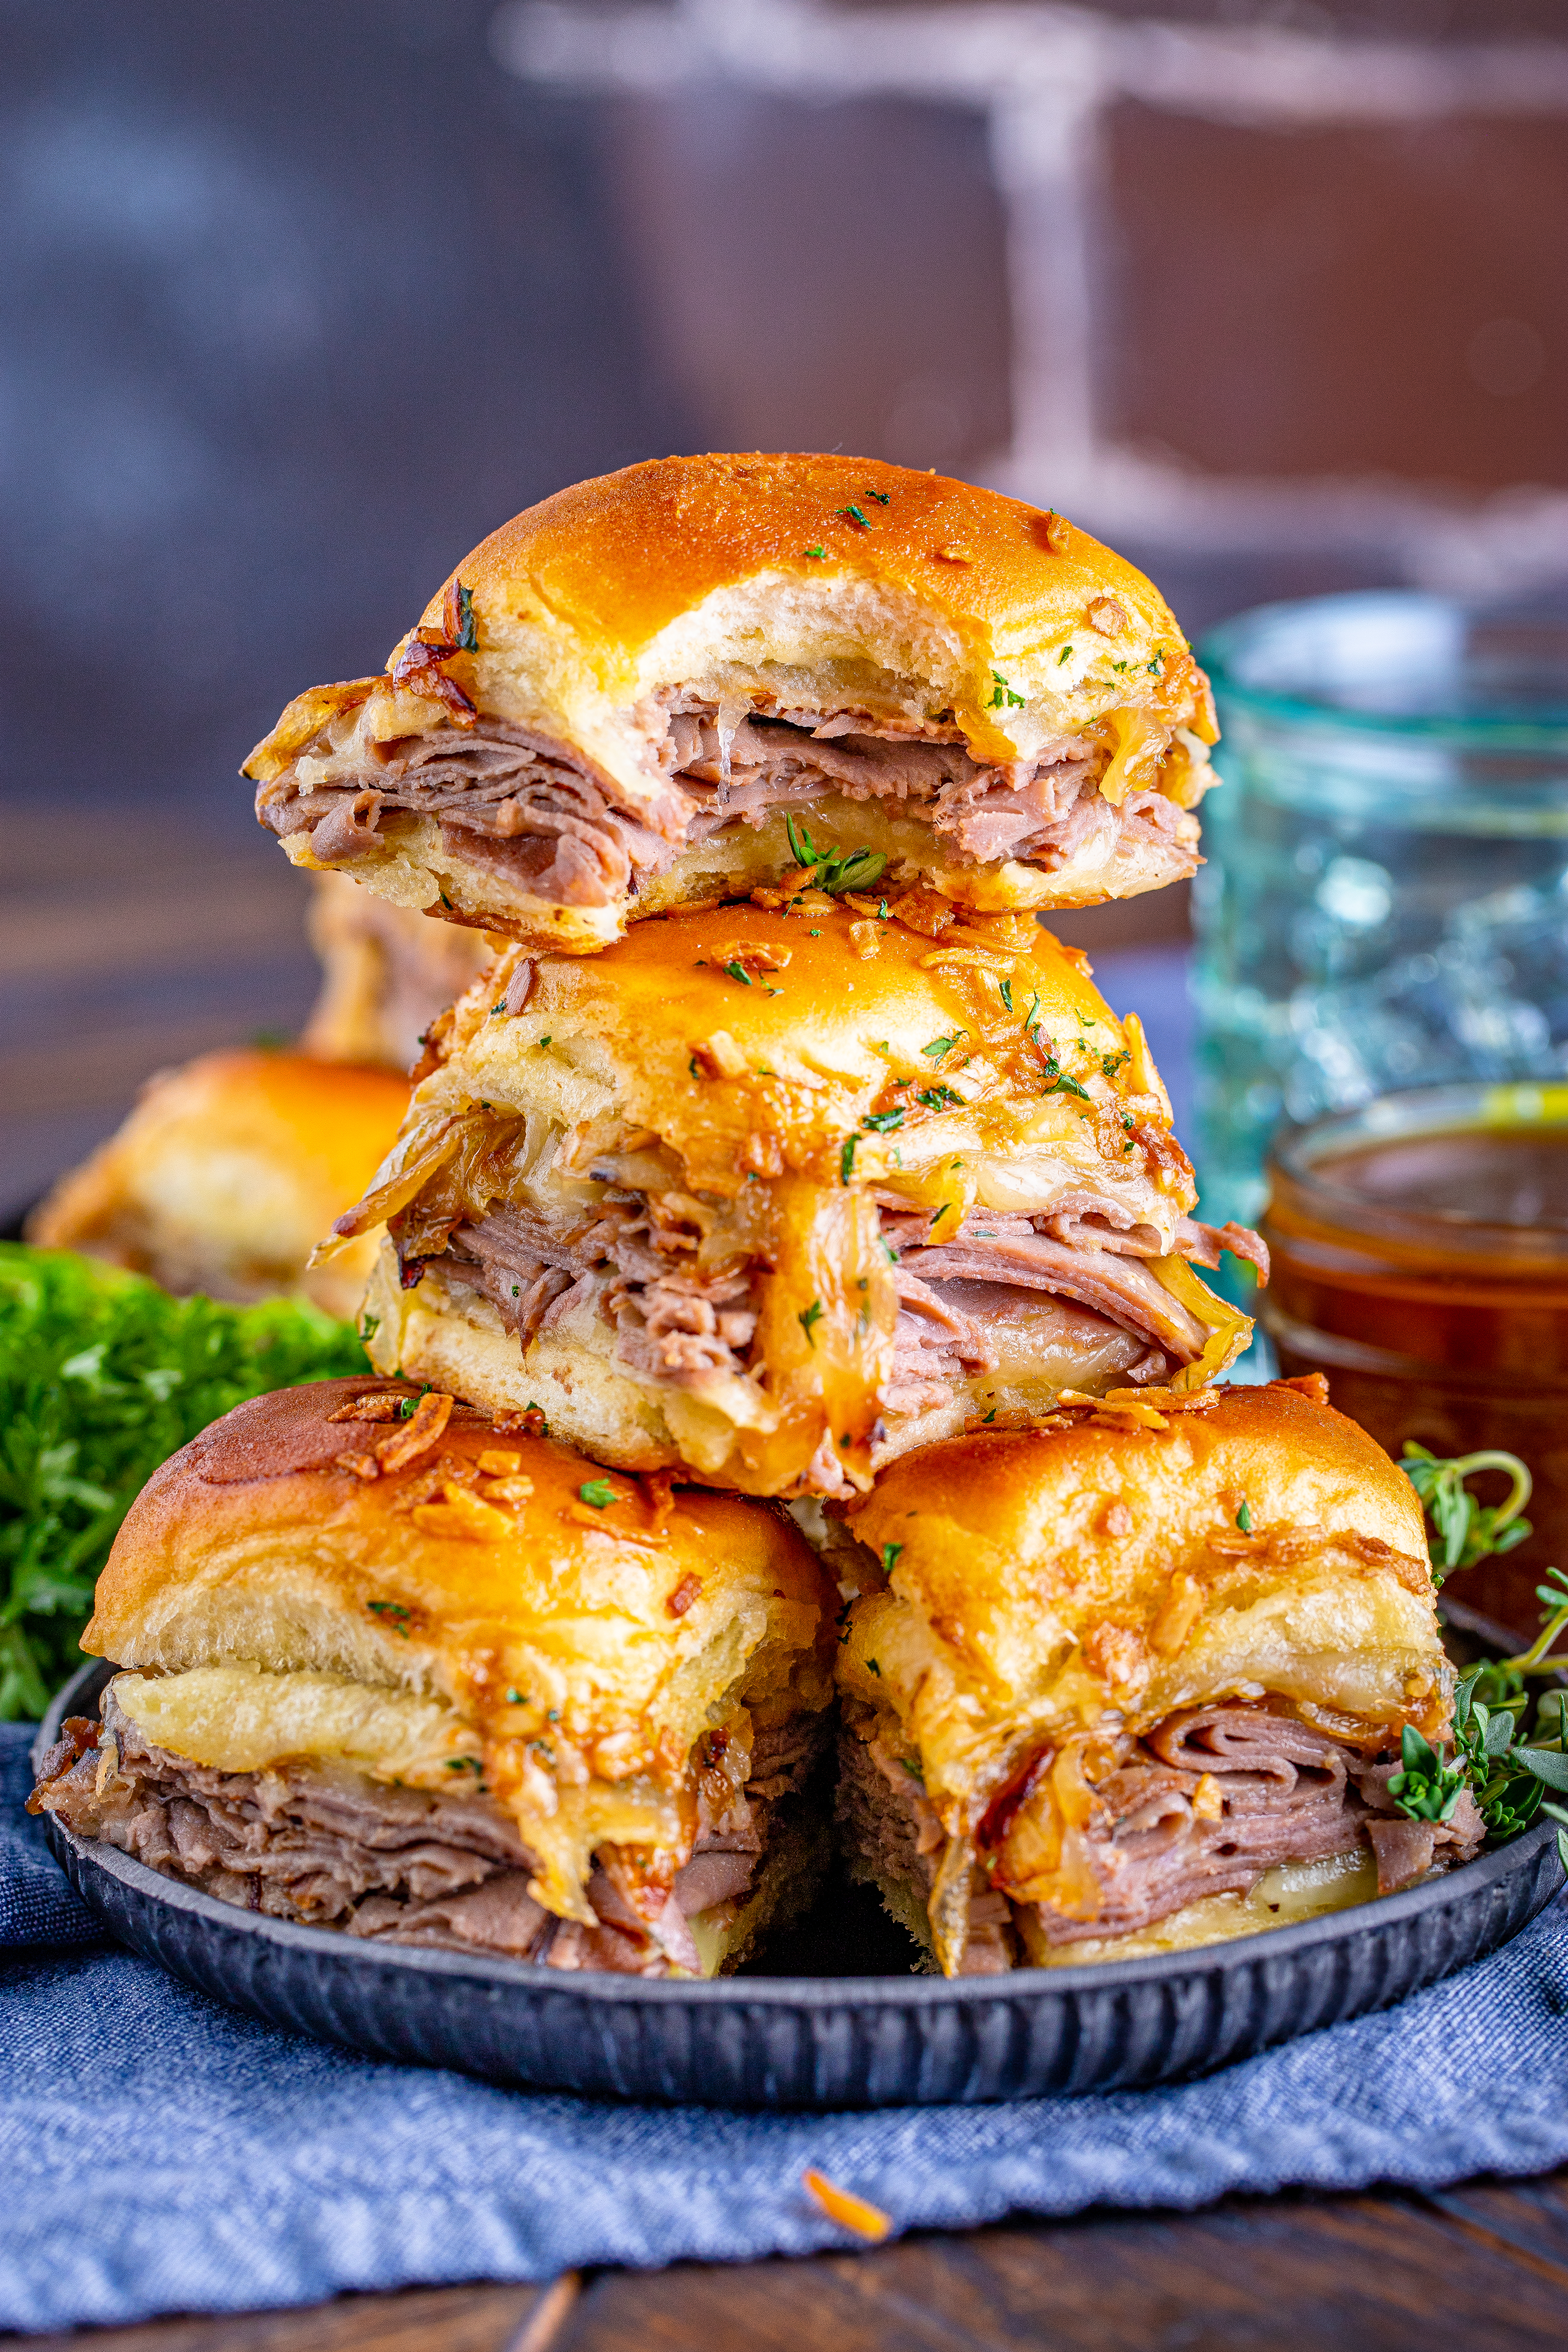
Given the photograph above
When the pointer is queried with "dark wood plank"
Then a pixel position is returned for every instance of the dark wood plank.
(1530, 2216)
(420, 2319)
(1291, 2275)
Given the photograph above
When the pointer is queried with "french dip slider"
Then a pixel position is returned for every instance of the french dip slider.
(1137, 1680)
(620, 702)
(225, 1174)
(778, 1191)
(394, 1668)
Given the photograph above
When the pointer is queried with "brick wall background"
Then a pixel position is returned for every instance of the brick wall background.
(301, 298)
(1276, 297)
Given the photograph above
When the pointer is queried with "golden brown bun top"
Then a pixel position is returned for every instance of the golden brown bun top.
(1256, 1542)
(260, 1541)
(826, 582)
(623, 556)
(755, 1032)
(1037, 1497)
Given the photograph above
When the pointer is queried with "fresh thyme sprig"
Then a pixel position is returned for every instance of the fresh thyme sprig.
(1467, 1531)
(1507, 1776)
(830, 870)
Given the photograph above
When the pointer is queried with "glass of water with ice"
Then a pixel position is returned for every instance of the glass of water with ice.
(1386, 900)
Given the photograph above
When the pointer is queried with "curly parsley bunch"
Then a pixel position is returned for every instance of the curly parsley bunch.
(102, 1377)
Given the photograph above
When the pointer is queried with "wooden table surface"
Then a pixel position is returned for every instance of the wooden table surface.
(127, 947)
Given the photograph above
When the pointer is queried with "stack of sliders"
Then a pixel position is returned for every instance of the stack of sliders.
(780, 1151)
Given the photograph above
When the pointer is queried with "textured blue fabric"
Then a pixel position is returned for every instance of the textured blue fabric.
(162, 2153)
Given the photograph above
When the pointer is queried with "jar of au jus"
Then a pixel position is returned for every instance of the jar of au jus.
(1385, 899)
(1420, 1261)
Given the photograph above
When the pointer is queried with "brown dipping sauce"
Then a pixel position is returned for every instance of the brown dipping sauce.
(1420, 1251)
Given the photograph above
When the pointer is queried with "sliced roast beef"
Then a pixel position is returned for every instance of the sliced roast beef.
(1203, 1804)
(689, 1327)
(959, 1300)
(1202, 1244)
(1120, 1288)
(893, 1836)
(323, 1844)
(537, 814)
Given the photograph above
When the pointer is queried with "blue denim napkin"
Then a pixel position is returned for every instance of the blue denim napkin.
(162, 2153)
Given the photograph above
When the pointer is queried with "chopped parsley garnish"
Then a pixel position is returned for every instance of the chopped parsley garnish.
(830, 870)
(888, 1252)
(1003, 697)
(817, 554)
(912, 1764)
(464, 1764)
(847, 1158)
(599, 1492)
(939, 1098)
(853, 515)
(1058, 1081)
(467, 640)
(889, 1554)
(514, 1698)
(1065, 654)
(809, 1319)
(737, 971)
(881, 496)
(1110, 1063)
(941, 1046)
(1007, 988)
(873, 1668)
(695, 1066)
(395, 1614)
(1244, 1519)
(883, 1122)
(542, 1042)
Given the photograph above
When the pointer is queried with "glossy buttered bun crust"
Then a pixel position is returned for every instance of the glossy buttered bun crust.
(1138, 1557)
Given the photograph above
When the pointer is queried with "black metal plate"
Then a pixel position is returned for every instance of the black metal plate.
(811, 2039)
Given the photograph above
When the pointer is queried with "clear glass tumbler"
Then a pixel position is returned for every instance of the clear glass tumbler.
(1386, 900)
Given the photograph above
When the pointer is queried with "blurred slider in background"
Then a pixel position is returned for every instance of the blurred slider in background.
(230, 1167)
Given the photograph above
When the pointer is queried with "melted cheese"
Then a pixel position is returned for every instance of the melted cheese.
(240, 1719)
